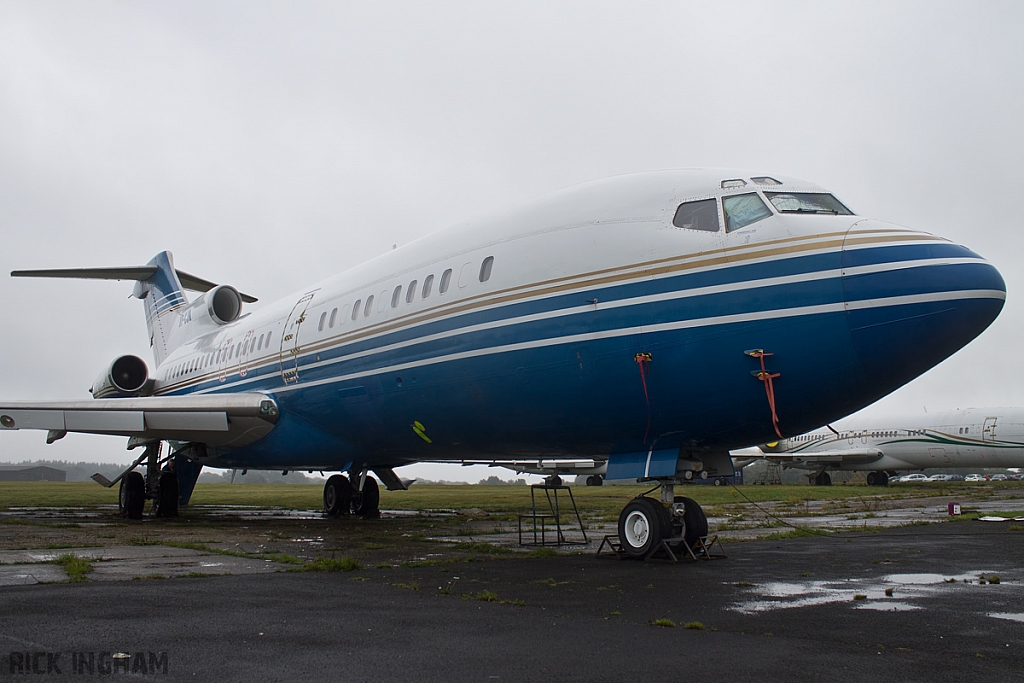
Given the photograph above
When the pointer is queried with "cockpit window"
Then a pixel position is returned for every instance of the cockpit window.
(807, 202)
(765, 180)
(743, 209)
(700, 215)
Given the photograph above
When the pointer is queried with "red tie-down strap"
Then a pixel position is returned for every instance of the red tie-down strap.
(643, 360)
(769, 386)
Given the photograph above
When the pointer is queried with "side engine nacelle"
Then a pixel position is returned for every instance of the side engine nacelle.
(127, 376)
(220, 306)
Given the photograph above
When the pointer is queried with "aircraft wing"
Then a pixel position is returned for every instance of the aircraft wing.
(858, 455)
(536, 465)
(223, 420)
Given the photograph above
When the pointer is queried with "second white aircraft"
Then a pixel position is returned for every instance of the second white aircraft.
(971, 438)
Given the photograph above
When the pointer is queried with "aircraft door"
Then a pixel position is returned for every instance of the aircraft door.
(290, 349)
(940, 458)
(988, 429)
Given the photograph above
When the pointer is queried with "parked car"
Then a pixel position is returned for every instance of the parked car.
(940, 477)
(974, 477)
(906, 478)
(998, 477)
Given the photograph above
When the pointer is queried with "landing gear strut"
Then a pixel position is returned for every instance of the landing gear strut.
(645, 522)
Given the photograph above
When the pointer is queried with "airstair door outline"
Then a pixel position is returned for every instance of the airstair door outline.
(243, 354)
(290, 349)
(988, 429)
(222, 359)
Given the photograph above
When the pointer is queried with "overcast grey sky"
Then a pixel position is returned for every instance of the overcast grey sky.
(269, 145)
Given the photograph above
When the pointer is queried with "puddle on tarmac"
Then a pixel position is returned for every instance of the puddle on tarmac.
(889, 605)
(786, 595)
(1011, 616)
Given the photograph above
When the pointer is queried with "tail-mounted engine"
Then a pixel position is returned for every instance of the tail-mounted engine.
(221, 305)
(127, 376)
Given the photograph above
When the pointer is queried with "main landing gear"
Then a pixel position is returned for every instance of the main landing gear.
(160, 484)
(645, 522)
(878, 478)
(821, 479)
(342, 498)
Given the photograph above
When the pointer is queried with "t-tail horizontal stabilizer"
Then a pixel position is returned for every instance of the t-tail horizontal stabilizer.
(160, 287)
(137, 273)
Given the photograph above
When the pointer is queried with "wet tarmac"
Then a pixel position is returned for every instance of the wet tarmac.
(933, 602)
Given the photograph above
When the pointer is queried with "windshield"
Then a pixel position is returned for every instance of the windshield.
(743, 209)
(807, 202)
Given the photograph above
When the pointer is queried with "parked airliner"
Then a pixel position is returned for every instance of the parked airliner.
(971, 438)
(651, 321)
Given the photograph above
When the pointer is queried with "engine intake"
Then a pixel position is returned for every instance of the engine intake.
(224, 304)
(127, 376)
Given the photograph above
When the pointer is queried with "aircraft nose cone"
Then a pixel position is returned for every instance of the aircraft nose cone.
(912, 300)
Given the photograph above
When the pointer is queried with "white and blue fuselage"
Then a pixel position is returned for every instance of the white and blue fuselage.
(595, 321)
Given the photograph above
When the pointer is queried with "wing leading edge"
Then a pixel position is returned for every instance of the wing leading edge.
(230, 420)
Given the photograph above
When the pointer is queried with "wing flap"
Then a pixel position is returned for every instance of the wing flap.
(229, 420)
(205, 422)
(119, 421)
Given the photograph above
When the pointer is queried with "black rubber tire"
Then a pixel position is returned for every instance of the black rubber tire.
(823, 479)
(695, 522)
(337, 495)
(872, 479)
(165, 503)
(883, 478)
(595, 480)
(642, 525)
(131, 497)
(367, 503)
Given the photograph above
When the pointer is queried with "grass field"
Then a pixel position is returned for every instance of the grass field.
(604, 501)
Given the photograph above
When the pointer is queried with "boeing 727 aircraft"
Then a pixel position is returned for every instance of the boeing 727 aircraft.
(651, 321)
(972, 438)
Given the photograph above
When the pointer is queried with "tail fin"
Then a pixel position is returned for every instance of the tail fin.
(161, 294)
(159, 285)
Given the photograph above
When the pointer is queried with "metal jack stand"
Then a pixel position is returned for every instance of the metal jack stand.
(540, 520)
(669, 550)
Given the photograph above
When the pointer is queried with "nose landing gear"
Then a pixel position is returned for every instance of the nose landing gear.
(647, 525)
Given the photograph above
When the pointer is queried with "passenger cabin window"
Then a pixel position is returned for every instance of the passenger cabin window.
(259, 345)
(268, 338)
(323, 319)
(700, 215)
(743, 209)
(396, 296)
(807, 202)
(485, 269)
(427, 284)
(411, 293)
(446, 280)
(334, 317)
(355, 309)
(368, 309)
